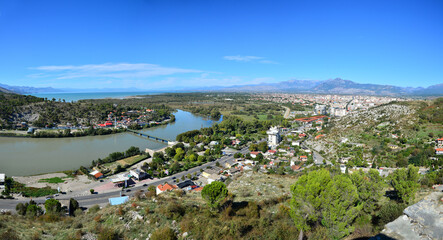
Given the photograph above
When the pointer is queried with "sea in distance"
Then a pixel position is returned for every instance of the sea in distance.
(68, 96)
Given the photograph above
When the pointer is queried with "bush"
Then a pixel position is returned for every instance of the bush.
(9, 234)
(53, 206)
(94, 209)
(164, 233)
(173, 210)
(389, 212)
(107, 234)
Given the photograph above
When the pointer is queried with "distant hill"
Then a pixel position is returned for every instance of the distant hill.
(27, 90)
(337, 86)
(4, 90)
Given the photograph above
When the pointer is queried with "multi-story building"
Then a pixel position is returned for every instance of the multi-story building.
(274, 137)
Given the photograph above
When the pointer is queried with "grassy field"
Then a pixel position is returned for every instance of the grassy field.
(52, 180)
(258, 186)
(131, 160)
(124, 162)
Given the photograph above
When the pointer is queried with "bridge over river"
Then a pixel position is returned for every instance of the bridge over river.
(150, 137)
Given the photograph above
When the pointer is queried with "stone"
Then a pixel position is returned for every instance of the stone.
(422, 220)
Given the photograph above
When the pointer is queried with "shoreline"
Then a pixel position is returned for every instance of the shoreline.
(119, 130)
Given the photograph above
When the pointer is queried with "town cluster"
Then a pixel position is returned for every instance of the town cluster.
(333, 105)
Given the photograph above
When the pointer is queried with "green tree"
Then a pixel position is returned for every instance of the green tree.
(33, 210)
(253, 147)
(179, 154)
(21, 208)
(405, 183)
(306, 202)
(369, 187)
(73, 205)
(340, 207)
(263, 146)
(214, 193)
(53, 206)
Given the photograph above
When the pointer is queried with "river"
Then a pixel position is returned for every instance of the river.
(29, 156)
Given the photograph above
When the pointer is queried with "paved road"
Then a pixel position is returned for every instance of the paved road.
(287, 112)
(102, 198)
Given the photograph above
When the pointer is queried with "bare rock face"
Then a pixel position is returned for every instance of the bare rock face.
(423, 220)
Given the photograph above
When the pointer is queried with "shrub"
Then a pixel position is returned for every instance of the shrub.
(21, 208)
(107, 234)
(179, 193)
(164, 233)
(173, 210)
(78, 212)
(9, 234)
(389, 212)
(150, 194)
(94, 209)
(120, 211)
(98, 218)
(53, 206)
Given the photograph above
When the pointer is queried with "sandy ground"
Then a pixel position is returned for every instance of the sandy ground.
(78, 184)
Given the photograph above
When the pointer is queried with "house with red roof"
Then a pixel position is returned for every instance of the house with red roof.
(440, 142)
(295, 167)
(303, 158)
(235, 142)
(439, 151)
(96, 174)
(301, 135)
(319, 136)
(272, 151)
(166, 187)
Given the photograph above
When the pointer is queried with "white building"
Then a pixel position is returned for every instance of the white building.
(138, 174)
(2, 180)
(274, 137)
(320, 109)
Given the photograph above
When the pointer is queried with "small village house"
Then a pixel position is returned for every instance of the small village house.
(138, 174)
(2, 180)
(96, 174)
(166, 187)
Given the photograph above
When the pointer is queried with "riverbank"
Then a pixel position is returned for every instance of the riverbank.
(84, 132)
(31, 156)
(79, 185)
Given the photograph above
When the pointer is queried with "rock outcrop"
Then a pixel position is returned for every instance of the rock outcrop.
(423, 220)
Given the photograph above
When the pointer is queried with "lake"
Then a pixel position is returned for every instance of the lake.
(28, 156)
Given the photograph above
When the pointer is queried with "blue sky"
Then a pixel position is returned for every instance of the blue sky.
(176, 44)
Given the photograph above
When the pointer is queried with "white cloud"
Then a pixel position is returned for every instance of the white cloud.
(109, 70)
(239, 58)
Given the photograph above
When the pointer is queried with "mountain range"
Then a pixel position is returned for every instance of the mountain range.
(336, 86)
(330, 86)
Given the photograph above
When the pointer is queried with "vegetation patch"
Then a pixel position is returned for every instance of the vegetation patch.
(52, 180)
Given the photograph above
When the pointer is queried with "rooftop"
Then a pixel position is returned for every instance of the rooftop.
(118, 200)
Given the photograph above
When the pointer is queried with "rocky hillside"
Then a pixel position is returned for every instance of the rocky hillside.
(394, 134)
